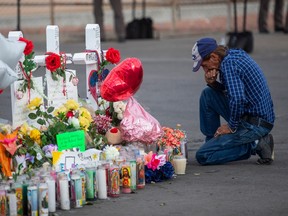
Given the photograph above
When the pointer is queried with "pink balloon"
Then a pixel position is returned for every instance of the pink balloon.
(123, 81)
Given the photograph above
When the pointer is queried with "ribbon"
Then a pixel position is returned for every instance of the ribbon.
(28, 78)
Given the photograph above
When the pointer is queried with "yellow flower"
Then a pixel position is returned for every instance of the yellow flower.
(84, 123)
(61, 109)
(24, 129)
(36, 136)
(71, 105)
(35, 103)
(85, 113)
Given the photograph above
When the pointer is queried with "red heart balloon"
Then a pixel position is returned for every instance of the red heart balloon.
(123, 81)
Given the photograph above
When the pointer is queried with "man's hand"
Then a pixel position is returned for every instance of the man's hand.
(223, 129)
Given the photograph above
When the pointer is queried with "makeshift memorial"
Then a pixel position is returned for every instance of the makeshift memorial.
(157, 168)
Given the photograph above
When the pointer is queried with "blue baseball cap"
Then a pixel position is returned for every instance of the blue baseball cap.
(201, 49)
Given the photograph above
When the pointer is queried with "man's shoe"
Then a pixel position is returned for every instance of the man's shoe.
(265, 150)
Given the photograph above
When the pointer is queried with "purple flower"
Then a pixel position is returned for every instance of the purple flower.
(48, 149)
(29, 158)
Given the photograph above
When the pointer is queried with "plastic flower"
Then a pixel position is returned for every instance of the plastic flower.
(71, 105)
(53, 62)
(35, 103)
(110, 152)
(171, 137)
(85, 113)
(29, 46)
(74, 122)
(113, 56)
(48, 149)
(60, 110)
(84, 123)
(9, 141)
(36, 136)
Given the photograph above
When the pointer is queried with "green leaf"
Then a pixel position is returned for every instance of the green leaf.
(50, 109)
(41, 122)
(32, 116)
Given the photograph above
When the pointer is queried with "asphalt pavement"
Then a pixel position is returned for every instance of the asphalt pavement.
(170, 92)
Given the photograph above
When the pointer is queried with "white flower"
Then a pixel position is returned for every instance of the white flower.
(74, 121)
(120, 116)
(39, 156)
(110, 152)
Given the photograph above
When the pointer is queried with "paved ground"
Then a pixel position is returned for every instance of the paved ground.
(170, 92)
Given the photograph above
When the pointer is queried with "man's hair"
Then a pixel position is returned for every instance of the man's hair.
(221, 51)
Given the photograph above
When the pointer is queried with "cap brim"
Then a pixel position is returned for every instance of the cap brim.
(196, 66)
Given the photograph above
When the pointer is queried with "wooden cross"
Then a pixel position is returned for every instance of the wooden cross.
(57, 91)
(91, 58)
(20, 100)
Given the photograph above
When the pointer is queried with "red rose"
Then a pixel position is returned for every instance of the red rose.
(53, 62)
(69, 114)
(29, 46)
(113, 56)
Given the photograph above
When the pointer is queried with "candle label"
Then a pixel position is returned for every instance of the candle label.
(140, 173)
(32, 201)
(114, 182)
(43, 200)
(19, 198)
(133, 175)
(90, 187)
(83, 184)
(3, 202)
(76, 191)
(126, 176)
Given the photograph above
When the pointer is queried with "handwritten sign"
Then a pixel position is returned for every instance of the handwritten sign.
(68, 160)
(70, 140)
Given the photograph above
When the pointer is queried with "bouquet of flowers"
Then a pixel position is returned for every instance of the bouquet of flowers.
(171, 139)
(157, 168)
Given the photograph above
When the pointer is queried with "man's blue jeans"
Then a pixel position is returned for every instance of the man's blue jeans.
(229, 147)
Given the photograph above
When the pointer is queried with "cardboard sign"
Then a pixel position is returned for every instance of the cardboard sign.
(67, 160)
(70, 140)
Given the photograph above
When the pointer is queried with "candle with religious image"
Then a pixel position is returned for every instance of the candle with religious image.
(140, 167)
(32, 195)
(114, 181)
(126, 178)
(91, 192)
(76, 190)
(3, 201)
(82, 175)
(17, 187)
(43, 199)
(107, 174)
(133, 175)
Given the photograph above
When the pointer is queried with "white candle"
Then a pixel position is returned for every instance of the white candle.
(51, 195)
(102, 184)
(64, 194)
(43, 199)
(12, 204)
(179, 164)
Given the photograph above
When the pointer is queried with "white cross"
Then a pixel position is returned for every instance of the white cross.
(90, 58)
(19, 110)
(57, 91)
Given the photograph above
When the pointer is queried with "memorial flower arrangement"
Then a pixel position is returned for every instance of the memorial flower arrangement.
(157, 168)
(171, 139)
(68, 117)
(27, 66)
